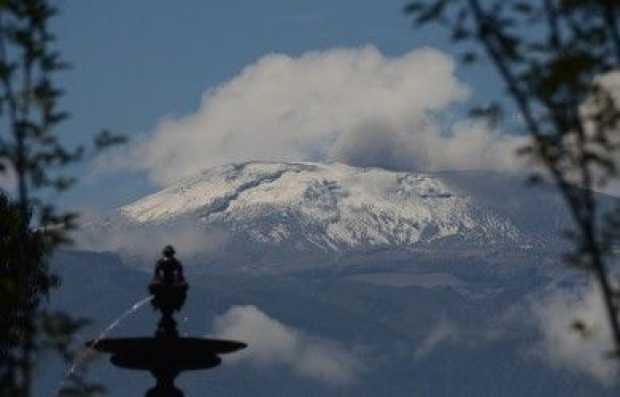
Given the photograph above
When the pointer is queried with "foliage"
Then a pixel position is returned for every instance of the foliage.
(31, 154)
(559, 62)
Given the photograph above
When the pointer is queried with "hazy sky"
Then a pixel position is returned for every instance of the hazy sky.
(136, 63)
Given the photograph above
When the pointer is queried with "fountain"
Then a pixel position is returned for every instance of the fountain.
(166, 354)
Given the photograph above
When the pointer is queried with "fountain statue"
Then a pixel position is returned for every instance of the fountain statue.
(166, 354)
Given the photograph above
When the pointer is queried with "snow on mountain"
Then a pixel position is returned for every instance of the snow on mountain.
(330, 207)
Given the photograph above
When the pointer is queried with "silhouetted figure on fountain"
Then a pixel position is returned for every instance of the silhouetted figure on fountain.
(168, 269)
(169, 290)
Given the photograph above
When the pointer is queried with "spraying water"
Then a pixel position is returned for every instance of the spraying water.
(84, 353)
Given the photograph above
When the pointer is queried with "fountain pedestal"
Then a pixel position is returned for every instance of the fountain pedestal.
(166, 354)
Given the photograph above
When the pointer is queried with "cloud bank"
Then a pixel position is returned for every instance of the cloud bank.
(353, 105)
(271, 343)
(565, 347)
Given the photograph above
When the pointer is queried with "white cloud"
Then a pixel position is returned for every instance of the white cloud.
(611, 82)
(599, 141)
(353, 105)
(272, 343)
(444, 331)
(565, 347)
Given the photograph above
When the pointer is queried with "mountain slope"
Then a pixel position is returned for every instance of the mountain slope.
(265, 213)
(387, 329)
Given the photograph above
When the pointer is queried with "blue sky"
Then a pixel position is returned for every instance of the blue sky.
(136, 62)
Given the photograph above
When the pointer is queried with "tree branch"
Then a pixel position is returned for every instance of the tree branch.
(611, 23)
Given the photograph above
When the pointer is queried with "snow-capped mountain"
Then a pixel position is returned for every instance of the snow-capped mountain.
(259, 212)
(331, 207)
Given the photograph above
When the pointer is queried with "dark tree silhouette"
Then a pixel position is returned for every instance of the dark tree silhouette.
(558, 60)
(30, 228)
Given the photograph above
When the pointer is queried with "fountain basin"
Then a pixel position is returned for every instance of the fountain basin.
(166, 353)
